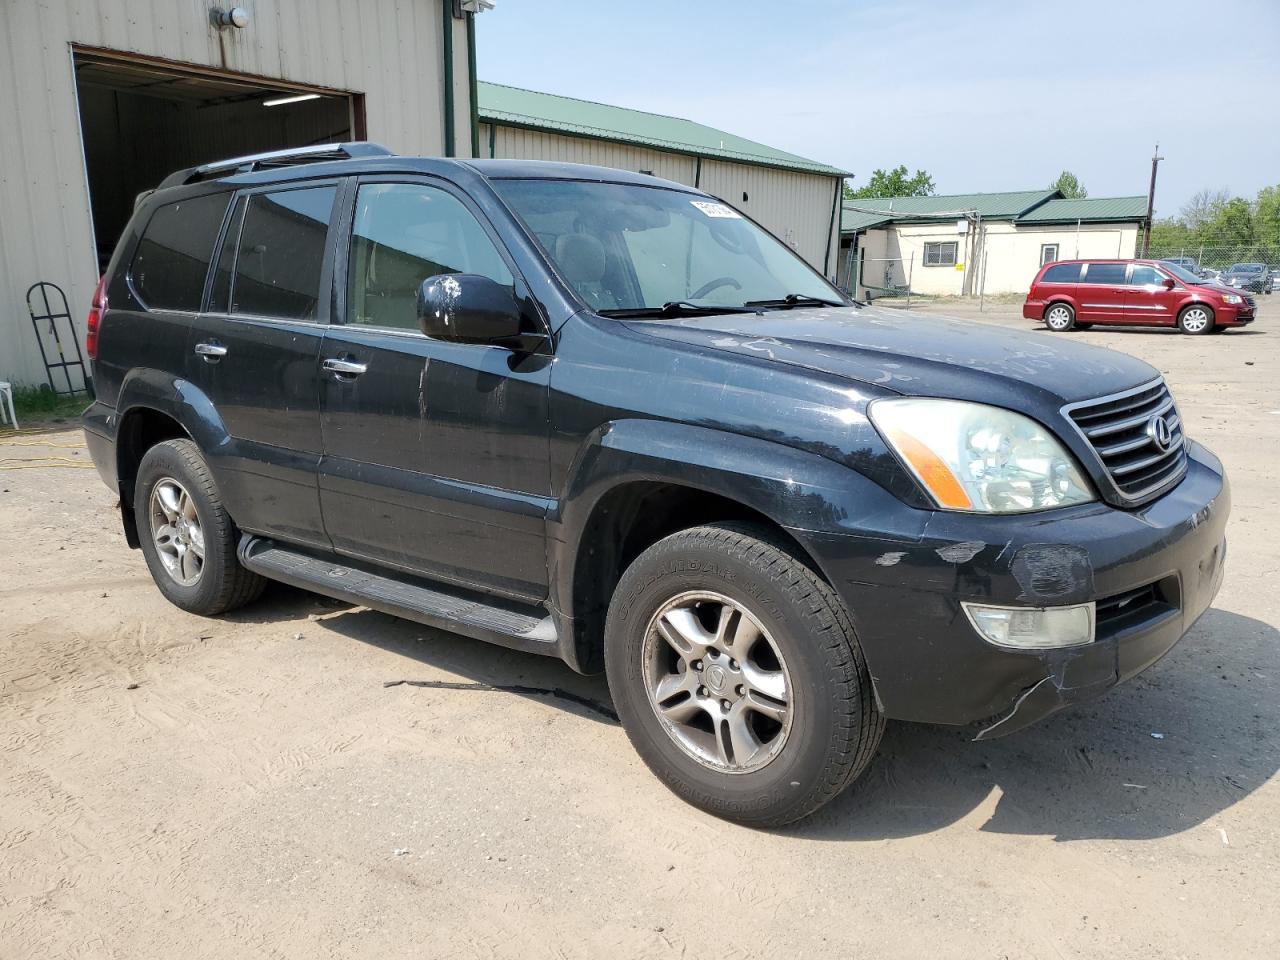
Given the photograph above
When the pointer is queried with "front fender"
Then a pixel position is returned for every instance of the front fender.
(807, 494)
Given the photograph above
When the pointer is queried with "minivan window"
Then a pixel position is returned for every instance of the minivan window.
(404, 233)
(280, 254)
(632, 247)
(1104, 273)
(1062, 273)
(1142, 276)
(172, 260)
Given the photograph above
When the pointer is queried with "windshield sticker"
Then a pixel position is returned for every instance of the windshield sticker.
(718, 210)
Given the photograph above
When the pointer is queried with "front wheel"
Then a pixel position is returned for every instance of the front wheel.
(1195, 319)
(737, 675)
(1059, 318)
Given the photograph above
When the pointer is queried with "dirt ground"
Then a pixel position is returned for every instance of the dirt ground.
(248, 787)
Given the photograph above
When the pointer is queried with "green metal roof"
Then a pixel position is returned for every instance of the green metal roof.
(1021, 206)
(514, 106)
(990, 206)
(1088, 210)
(851, 221)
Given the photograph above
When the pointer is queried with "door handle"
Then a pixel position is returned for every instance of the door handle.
(344, 368)
(211, 351)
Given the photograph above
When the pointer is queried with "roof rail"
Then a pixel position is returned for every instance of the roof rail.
(276, 158)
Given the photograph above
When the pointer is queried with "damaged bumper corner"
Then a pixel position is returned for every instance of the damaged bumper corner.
(1151, 572)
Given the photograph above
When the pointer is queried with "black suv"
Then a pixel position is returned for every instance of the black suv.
(600, 416)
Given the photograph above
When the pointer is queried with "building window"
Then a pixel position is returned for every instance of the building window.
(1048, 253)
(940, 254)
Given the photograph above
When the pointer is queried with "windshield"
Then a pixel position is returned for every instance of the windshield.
(1181, 272)
(625, 247)
(1246, 268)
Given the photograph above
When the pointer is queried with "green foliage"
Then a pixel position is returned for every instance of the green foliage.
(894, 183)
(1069, 185)
(1216, 218)
(41, 403)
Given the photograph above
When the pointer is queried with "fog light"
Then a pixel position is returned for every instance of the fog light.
(1033, 628)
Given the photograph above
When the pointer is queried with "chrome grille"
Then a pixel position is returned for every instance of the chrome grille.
(1123, 431)
(1251, 303)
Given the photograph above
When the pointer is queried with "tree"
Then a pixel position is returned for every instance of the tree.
(894, 183)
(1232, 223)
(1266, 216)
(1198, 212)
(1069, 185)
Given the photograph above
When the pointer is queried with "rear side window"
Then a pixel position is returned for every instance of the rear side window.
(281, 253)
(1062, 273)
(172, 260)
(1104, 273)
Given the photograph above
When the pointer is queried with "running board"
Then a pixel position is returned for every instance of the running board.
(470, 614)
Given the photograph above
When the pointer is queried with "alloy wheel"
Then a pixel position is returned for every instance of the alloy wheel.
(717, 682)
(1195, 320)
(176, 531)
(1058, 318)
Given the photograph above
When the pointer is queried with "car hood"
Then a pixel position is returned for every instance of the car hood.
(1217, 286)
(915, 354)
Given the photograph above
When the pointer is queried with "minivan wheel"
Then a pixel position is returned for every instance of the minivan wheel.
(1195, 319)
(737, 675)
(187, 536)
(1059, 318)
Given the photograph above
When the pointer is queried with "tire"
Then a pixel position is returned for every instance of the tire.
(799, 647)
(1196, 319)
(180, 514)
(1059, 317)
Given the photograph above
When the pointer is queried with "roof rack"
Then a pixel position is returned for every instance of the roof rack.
(276, 158)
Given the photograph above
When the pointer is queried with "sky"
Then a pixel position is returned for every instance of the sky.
(983, 95)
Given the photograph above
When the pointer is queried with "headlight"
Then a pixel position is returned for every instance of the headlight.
(1231, 298)
(977, 458)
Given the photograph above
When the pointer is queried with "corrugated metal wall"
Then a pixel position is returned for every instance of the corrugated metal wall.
(795, 206)
(388, 50)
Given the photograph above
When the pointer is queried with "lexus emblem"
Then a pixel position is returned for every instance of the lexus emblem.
(1160, 434)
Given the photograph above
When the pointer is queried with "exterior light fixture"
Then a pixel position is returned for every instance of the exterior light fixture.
(237, 17)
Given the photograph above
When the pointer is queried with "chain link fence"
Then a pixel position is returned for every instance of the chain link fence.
(1217, 256)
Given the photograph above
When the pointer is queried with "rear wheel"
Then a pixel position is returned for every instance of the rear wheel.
(737, 675)
(187, 535)
(1196, 319)
(1059, 317)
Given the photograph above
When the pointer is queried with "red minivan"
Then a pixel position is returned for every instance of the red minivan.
(1075, 294)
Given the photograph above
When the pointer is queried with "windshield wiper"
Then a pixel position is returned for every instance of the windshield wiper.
(675, 308)
(794, 300)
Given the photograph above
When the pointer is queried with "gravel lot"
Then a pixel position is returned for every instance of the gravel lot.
(248, 787)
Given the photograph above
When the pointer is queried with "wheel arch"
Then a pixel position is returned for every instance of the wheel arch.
(153, 407)
(636, 482)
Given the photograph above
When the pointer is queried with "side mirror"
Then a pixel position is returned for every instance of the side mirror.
(1168, 283)
(468, 308)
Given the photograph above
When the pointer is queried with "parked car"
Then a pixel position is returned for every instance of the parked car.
(1275, 279)
(1076, 294)
(1255, 277)
(1186, 263)
(604, 417)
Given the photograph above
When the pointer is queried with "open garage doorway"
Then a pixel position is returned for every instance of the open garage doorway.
(140, 120)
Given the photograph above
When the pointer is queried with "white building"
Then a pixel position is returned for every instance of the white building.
(963, 244)
(102, 98)
(795, 198)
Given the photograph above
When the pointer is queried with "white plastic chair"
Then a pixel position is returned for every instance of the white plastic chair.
(6, 397)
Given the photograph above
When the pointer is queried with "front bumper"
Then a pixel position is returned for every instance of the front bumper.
(929, 665)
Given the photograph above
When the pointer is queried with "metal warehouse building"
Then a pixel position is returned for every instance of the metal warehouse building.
(102, 98)
(796, 199)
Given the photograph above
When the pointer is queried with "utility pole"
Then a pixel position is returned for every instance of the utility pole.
(1151, 202)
